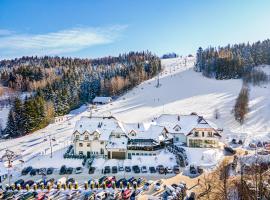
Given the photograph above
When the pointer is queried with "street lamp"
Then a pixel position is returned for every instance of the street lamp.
(9, 155)
(51, 139)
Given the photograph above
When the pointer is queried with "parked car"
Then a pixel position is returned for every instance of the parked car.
(161, 169)
(42, 171)
(70, 180)
(192, 169)
(120, 169)
(101, 195)
(152, 170)
(63, 170)
(136, 169)
(107, 170)
(78, 170)
(102, 179)
(19, 182)
(49, 171)
(126, 194)
(146, 186)
(157, 186)
(124, 182)
(33, 172)
(127, 169)
(176, 169)
(26, 170)
(169, 170)
(92, 170)
(144, 169)
(200, 170)
(29, 183)
(69, 170)
(229, 149)
(114, 169)
(89, 195)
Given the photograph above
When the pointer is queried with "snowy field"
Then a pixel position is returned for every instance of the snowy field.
(182, 91)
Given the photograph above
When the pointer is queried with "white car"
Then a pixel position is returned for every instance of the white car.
(169, 170)
(146, 186)
(157, 186)
(144, 169)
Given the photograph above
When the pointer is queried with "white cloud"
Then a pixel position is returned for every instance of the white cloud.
(64, 41)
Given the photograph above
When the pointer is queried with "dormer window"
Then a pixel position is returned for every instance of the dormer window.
(86, 137)
(177, 128)
(77, 137)
(132, 133)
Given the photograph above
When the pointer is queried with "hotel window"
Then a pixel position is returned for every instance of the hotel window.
(203, 134)
(196, 134)
(77, 137)
(210, 134)
(101, 151)
(86, 137)
(102, 142)
(81, 144)
(88, 144)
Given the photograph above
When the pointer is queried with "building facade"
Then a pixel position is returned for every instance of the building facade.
(109, 138)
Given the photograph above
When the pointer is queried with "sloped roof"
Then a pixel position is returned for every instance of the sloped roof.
(103, 125)
(185, 122)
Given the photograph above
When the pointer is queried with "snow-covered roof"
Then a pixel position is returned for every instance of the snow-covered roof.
(103, 126)
(185, 122)
(146, 131)
(102, 100)
(117, 143)
(3, 169)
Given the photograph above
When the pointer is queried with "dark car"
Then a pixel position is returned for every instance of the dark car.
(33, 172)
(127, 169)
(107, 170)
(102, 179)
(124, 182)
(230, 150)
(20, 181)
(152, 170)
(70, 180)
(192, 169)
(92, 170)
(42, 171)
(49, 171)
(114, 169)
(136, 169)
(63, 170)
(161, 169)
(29, 183)
(69, 170)
(26, 170)
(176, 169)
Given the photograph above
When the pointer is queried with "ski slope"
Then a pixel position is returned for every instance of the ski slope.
(182, 91)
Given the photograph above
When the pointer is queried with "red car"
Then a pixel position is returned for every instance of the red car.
(126, 194)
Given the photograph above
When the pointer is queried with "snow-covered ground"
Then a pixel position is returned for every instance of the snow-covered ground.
(182, 91)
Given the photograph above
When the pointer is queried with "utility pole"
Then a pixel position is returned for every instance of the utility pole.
(9, 155)
(158, 84)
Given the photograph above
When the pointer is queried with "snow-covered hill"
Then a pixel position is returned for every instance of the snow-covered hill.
(182, 90)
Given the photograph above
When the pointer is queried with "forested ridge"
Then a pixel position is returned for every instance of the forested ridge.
(234, 61)
(59, 84)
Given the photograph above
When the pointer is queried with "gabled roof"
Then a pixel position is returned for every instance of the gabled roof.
(186, 122)
(103, 125)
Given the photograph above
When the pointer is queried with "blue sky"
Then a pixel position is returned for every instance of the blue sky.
(95, 28)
